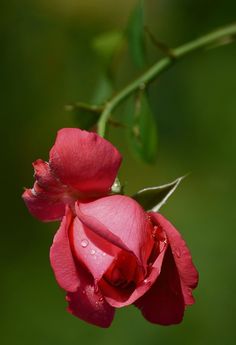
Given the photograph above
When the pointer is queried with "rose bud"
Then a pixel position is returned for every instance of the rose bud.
(82, 166)
(111, 254)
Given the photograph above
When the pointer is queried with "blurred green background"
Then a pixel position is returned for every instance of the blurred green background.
(46, 62)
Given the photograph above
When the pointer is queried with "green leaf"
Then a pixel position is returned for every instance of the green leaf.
(86, 116)
(106, 43)
(143, 135)
(153, 198)
(135, 35)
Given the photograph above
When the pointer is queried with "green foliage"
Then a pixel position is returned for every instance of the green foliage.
(86, 115)
(103, 90)
(142, 131)
(135, 35)
(106, 44)
(153, 198)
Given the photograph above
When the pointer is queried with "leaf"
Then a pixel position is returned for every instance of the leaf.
(143, 134)
(153, 198)
(135, 35)
(106, 44)
(86, 115)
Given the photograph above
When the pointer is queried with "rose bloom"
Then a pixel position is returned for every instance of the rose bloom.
(108, 252)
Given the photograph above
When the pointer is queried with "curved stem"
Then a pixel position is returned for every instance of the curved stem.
(159, 67)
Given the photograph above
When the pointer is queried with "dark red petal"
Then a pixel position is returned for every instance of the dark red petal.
(118, 298)
(84, 160)
(47, 199)
(164, 303)
(121, 221)
(89, 305)
(45, 178)
(61, 257)
(183, 260)
(44, 207)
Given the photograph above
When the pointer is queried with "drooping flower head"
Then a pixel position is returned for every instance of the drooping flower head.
(113, 254)
(108, 252)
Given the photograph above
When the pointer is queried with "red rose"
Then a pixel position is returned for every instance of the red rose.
(108, 252)
(113, 254)
(82, 165)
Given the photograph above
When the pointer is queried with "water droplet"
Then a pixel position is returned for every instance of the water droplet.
(145, 281)
(92, 252)
(84, 243)
(101, 299)
(178, 252)
(104, 254)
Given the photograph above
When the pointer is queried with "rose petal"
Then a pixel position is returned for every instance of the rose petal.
(89, 305)
(164, 303)
(121, 221)
(61, 257)
(85, 300)
(92, 250)
(186, 269)
(84, 160)
(45, 178)
(118, 298)
(44, 207)
(47, 199)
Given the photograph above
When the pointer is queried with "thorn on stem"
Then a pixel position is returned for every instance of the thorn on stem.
(160, 45)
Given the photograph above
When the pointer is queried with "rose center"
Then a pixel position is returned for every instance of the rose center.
(123, 272)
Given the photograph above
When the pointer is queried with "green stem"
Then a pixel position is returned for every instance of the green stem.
(159, 67)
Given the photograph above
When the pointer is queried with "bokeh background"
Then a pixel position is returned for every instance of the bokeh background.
(47, 61)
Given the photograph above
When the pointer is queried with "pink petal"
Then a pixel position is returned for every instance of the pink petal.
(42, 206)
(163, 303)
(92, 250)
(89, 305)
(84, 297)
(61, 257)
(183, 260)
(121, 221)
(84, 160)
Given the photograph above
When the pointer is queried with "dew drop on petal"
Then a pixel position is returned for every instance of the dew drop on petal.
(92, 252)
(104, 254)
(101, 299)
(84, 243)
